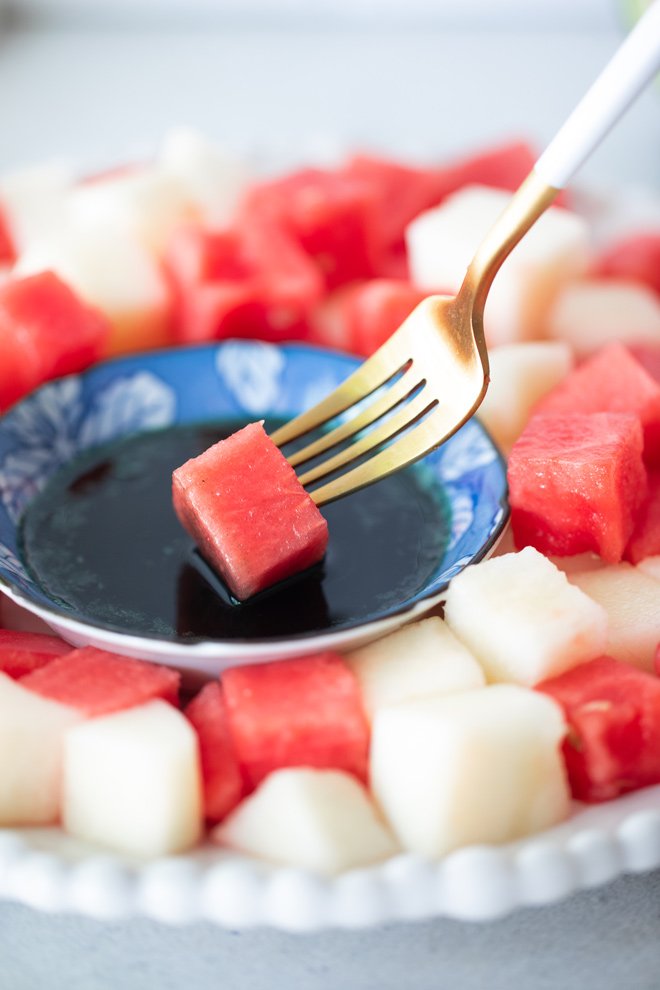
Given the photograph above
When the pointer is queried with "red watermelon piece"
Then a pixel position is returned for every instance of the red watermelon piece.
(333, 215)
(20, 366)
(576, 484)
(635, 258)
(221, 774)
(22, 652)
(612, 381)
(645, 540)
(249, 515)
(97, 682)
(7, 249)
(613, 714)
(253, 280)
(648, 356)
(301, 712)
(58, 334)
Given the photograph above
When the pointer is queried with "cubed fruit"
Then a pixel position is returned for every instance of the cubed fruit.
(132, 781)
(252, 280)
(112, 271)
(521, 374)
(442, 242)
(631, 599)
(44, 314)
(372, 311)
(221, 774)
(333, 215)
(475, 767)
(7, 247)
(613, 715)
(417, 660)
(249, 515)
(213, 178)
(31, 734)
(301, 712)
(23, 652)
(635, 258)
(650, 566)
(146, 202)
(321, 820)
(96, 682)
(35, 203)
(589, 314)
(21, 367)
(521, 618)
(645, 539)
(501, 167)
(612, 381)
(648, 356)
(576, 483)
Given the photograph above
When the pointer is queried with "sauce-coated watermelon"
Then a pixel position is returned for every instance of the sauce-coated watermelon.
(249, 515)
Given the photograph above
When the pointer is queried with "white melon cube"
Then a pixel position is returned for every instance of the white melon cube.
(146, 203)
(478, 767)
(442, 242)
(650, 566)
(417, 660)
(112, 270)
(521, 618)
(132, 781)
(213, 179)
(589, 314)
(31, 733)
(35, 202)
(321, 820)
(521, 374)
(631, 599)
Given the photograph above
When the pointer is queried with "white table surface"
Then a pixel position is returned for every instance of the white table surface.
(100, 96)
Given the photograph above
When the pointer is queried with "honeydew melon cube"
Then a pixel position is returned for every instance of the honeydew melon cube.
(650, 566)
(213, 178)
(631, 599)
(35, 202)
(417, 660)
(442, 242)
(31, 733)
(522, 619)
(132, 781)
(591, 313)
(521, 374)
(321, 820)
(146, 203)
(474, 767)
(112, 270)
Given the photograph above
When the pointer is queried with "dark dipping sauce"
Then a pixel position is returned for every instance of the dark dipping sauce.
(103, 542)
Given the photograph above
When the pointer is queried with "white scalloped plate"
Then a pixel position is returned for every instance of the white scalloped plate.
(50, 872)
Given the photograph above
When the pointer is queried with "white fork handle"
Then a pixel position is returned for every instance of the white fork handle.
(623, 78)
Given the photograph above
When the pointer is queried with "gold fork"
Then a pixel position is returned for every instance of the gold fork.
(430, 377)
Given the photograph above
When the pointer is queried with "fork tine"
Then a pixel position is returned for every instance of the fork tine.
(404, 418)
(431, 433)
(395, 394)
(377, 370)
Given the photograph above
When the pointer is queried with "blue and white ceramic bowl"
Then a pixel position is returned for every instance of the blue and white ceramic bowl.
(235, 380)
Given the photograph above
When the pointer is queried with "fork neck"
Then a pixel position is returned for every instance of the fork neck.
(533, 197)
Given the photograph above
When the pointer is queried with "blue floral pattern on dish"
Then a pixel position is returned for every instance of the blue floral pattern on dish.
(233, 380)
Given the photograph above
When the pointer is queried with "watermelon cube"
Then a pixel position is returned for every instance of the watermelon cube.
(249, 515)
(95, 682)
(252, 280)
(23, 652)
(301, 712)
(221, 774)
(576, 483)
(45, 314)
(612, 381)
(613, 714)
(321, 820)
(131, 781)
(635, 258)
(372, 311)
(645, 539)
(631, 598)
(333, 215)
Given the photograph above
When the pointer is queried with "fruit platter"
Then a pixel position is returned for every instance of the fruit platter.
(477, 732)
